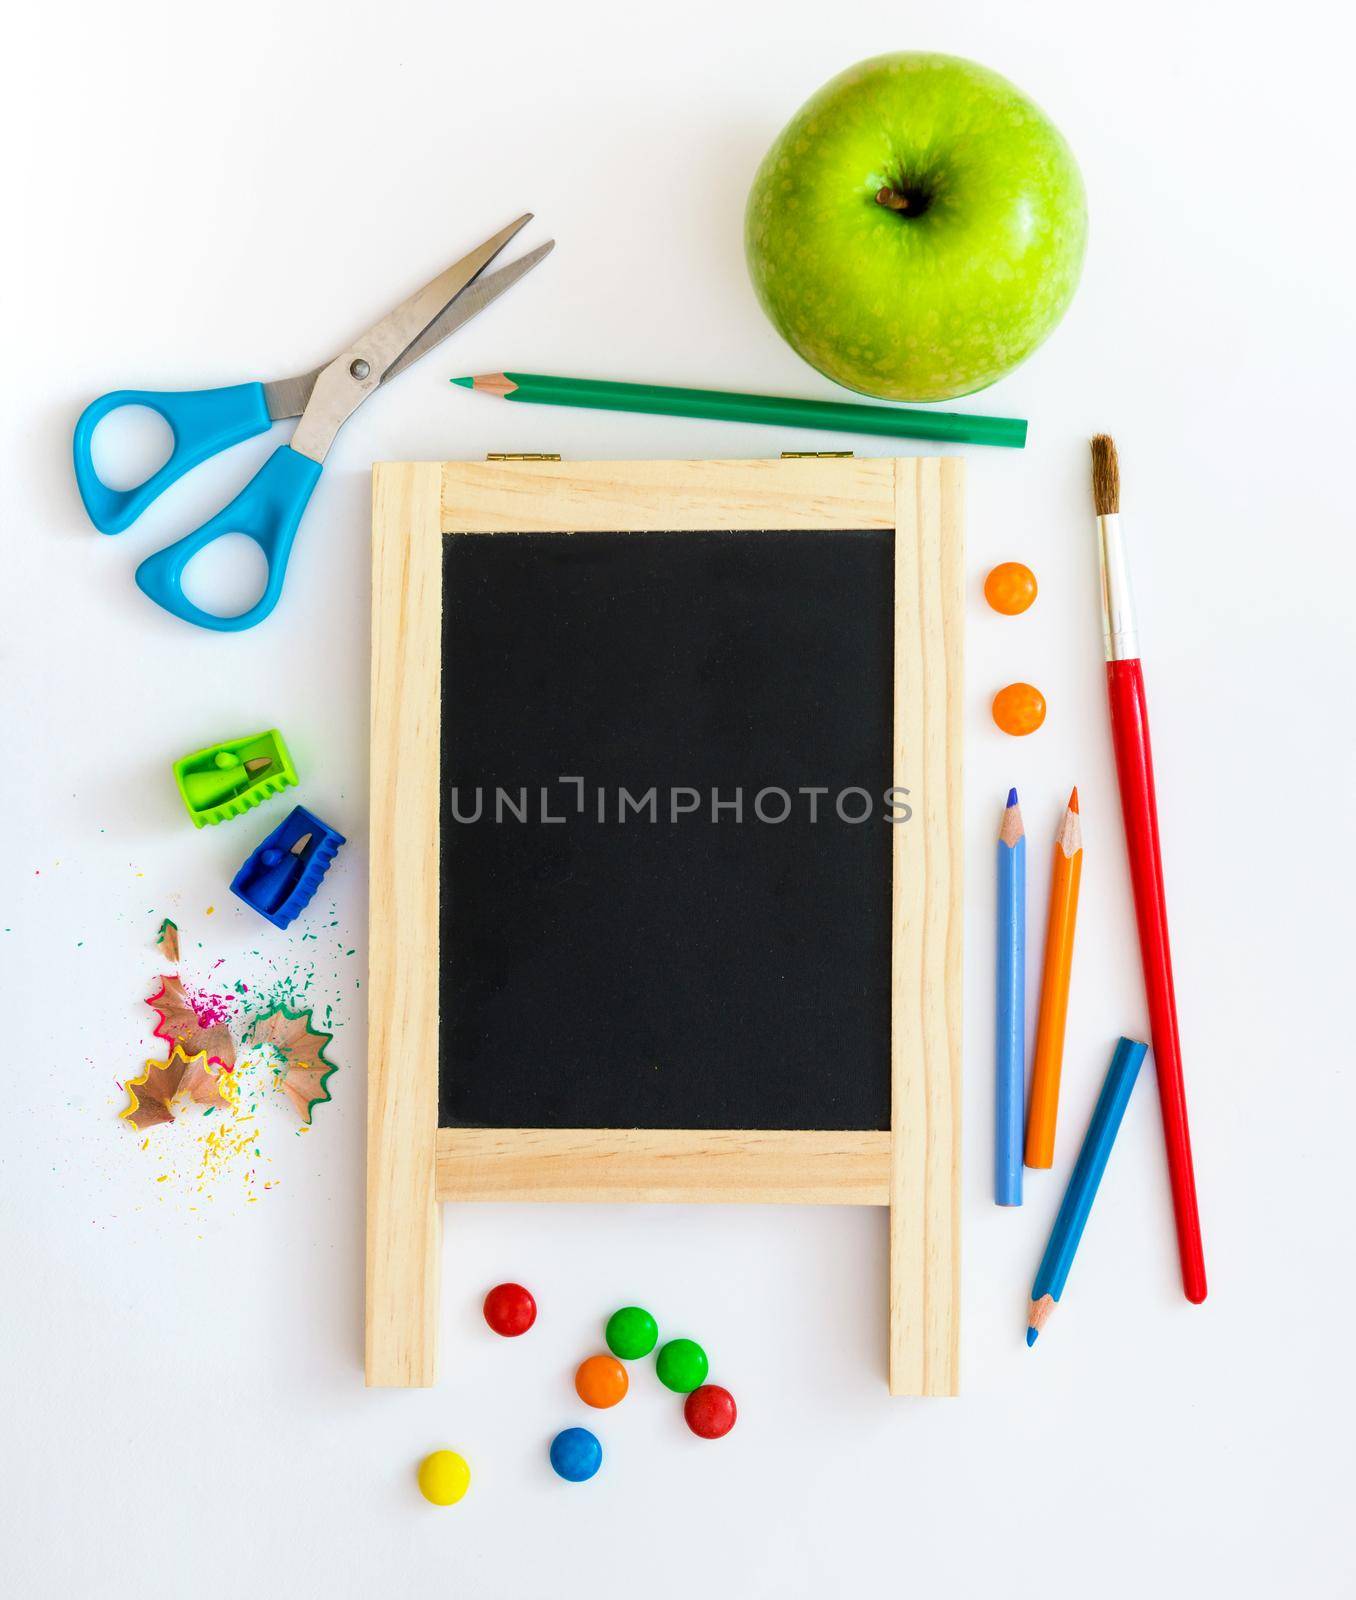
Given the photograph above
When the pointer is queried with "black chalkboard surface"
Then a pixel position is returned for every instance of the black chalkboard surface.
(680, 966)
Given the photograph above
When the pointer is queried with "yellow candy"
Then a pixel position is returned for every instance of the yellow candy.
(444, 1477)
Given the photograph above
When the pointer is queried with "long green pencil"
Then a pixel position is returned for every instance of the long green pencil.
(836, 416)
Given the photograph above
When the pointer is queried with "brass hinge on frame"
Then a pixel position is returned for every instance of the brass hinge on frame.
(515, 455)
(815, 455)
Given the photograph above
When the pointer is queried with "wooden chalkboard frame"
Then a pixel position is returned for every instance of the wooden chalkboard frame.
(412, 1164)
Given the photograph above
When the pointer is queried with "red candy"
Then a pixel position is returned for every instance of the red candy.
(710, 1411)
(510, 1309)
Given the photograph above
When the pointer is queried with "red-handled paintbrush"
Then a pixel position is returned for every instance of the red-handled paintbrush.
(1139, 808)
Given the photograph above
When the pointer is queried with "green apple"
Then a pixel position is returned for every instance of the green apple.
(918, 227)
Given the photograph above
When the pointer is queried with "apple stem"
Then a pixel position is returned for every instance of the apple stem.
(891, 199)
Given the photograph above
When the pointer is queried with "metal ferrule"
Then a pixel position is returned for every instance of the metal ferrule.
(1118, 606)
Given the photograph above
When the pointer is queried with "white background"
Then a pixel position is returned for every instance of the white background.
(206, 195)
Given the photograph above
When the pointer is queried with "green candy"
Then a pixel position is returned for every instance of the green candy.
(631, 1333)
(682, 1366)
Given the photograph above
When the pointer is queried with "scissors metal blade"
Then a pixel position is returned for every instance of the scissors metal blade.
(343, 385)
(288, 397)
(469, 303)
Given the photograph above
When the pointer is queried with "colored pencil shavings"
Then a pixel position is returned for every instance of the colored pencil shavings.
(196, 1028)
(236, 1051)
(303, 1067)
(152, 1095)
(221, 1142)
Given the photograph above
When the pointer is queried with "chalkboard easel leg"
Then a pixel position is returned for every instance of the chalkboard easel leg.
(403, 1221)
(926, 919)
(402, 1299)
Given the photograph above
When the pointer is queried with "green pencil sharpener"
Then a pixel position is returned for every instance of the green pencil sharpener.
(226, 780)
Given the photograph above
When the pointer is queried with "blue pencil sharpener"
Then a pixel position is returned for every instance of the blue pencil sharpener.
(281, 874)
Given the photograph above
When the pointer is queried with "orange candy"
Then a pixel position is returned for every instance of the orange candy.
(1019, 709)
(601, 1381)
(1011, 589)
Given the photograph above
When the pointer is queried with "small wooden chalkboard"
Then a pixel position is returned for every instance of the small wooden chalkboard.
(666, 857)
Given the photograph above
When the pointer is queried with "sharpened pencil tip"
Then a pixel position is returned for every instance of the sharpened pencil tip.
(1073, 800)
(1032, 1334)
(1010, 829)
(465, 383)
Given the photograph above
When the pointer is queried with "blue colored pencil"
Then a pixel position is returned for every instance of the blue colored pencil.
(1053, 1271)
(1010, 1009)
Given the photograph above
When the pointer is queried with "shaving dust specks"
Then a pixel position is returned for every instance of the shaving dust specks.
(266, 1032)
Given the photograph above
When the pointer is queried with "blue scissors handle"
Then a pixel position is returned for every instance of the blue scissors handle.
(266, 510)
(203, 422)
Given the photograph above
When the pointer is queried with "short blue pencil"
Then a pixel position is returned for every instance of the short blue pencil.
(1053, 1271)
(1010, 1009)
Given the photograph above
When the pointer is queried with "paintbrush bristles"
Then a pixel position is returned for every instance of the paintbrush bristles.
(1106, 476)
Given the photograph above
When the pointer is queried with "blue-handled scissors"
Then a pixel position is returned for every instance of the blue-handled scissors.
(205, 421)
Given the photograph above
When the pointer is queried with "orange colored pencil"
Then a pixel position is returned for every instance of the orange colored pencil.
(1048, 1056)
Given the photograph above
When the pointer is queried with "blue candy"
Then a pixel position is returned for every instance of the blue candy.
(576, 1454)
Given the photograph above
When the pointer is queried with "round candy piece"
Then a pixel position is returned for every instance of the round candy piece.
(1010, 588)
(682, 1365)
(1019, 709)
(601, 1381)
(576, 1454)
(510, 1309)
(631, 1333)
(710, 1411)
(444, 1477)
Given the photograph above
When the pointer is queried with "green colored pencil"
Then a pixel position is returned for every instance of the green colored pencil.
(837, 416)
